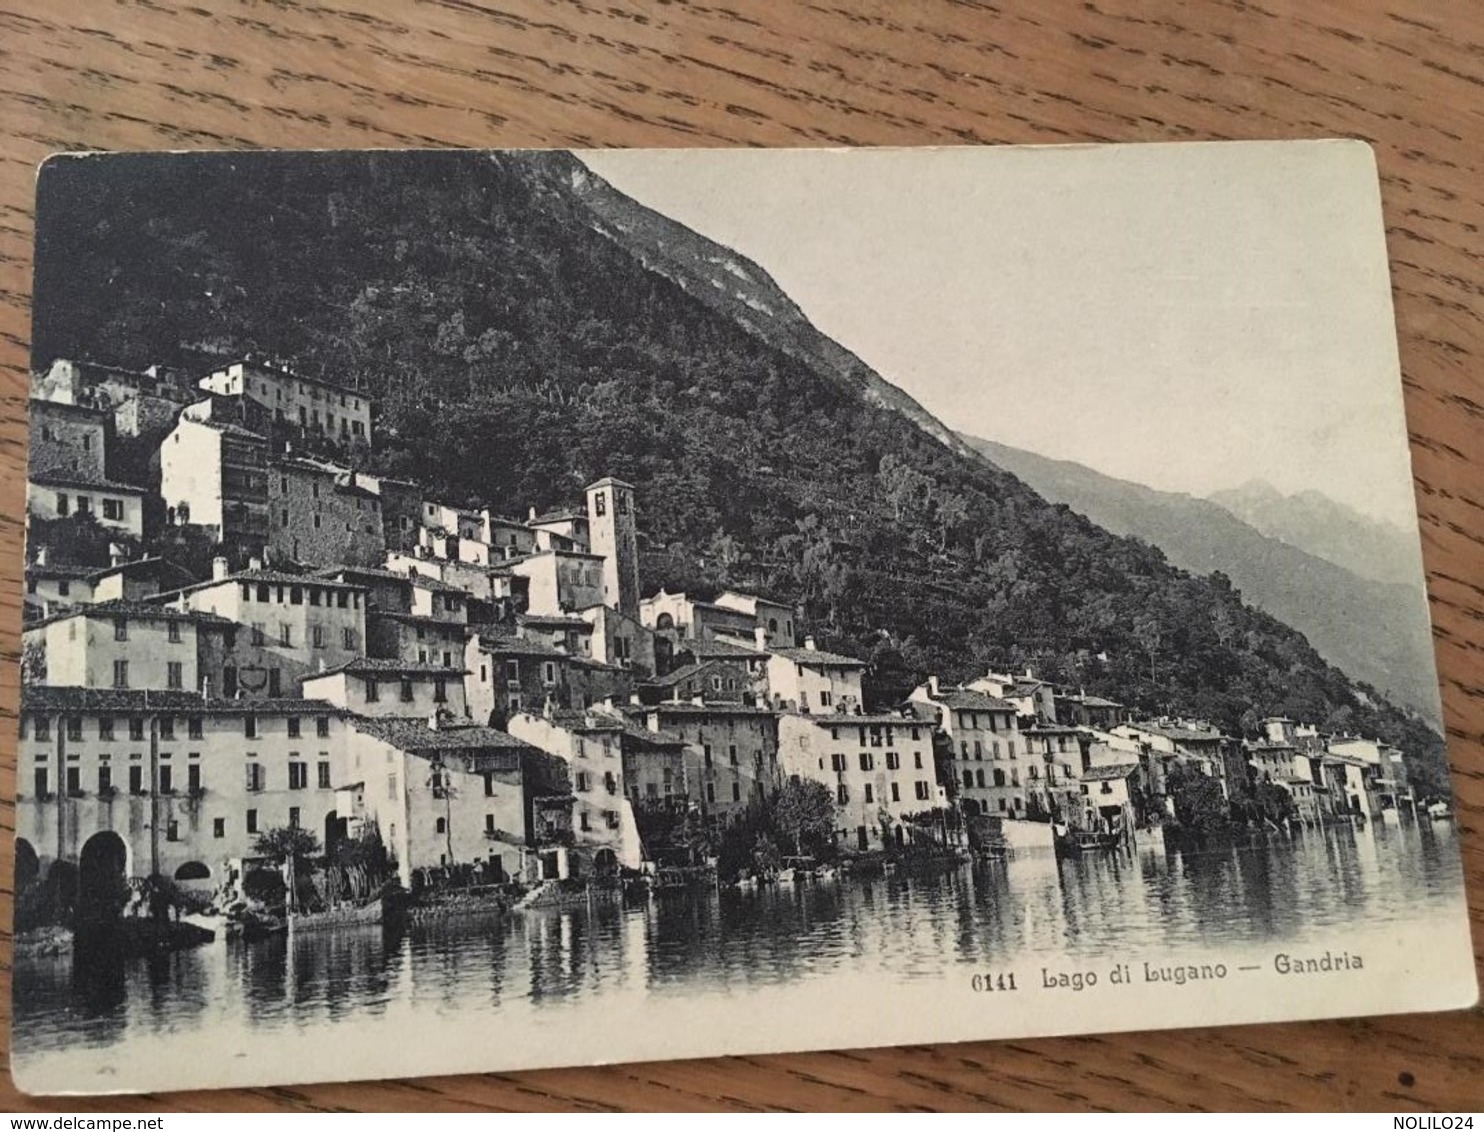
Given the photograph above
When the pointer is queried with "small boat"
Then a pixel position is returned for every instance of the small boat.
(1439, 811)
(345, 916)
(826, 872)
(784, 876)
(1076, 841)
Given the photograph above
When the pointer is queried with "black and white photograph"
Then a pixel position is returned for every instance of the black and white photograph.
(503, 609)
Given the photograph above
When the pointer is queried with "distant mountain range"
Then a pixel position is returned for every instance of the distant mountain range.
(1320, 526)
(1377, 631)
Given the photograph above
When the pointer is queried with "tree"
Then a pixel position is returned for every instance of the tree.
(803, 811)
(901, 482)
(953, 509)
(1200, 806)
(285, 842)
(1148, 633)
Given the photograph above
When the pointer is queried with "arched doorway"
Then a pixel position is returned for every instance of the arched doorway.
(102, 867)
(605, 864)
(27, 865)
(193, 870)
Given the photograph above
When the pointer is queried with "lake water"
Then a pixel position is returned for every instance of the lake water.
(550, 967)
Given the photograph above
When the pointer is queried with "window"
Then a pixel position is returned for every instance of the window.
(896, 793)
(317, 635)
(842, 794)
(440, 692)
(43, 727)
(441, 825)
(167, 728)
(136, 729)
(917, 760)
(732, 754)
(285, 636)
(293, 726)
(406, 690)
(868, 761)
(870, 793)
(373, 691)
(193, 779)
(172, 632)
(275, 688)
(121, 628)
(296, 595)
(893, 760)
(298, 776)
(600, 503)
(174, 673)
(293, 817)
(74, 729)
(512, 673)
(580, 781)
(324, 775)
(172, 831)
(252, 821)
(62, 507)
(920, 788)
(825, 699)
(609, 782)
(136, 780)
(978, 749)
(322, 726)
(218, 827)
(347, 636)
(711, 792)
(121, 674)
(105, 780)
(968, 780)
(549, 672)
(250, 726)
(74, 782)
(706, 753)
(167, 784)
(736, 792)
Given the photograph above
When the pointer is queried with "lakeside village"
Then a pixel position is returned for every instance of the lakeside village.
(363, 693)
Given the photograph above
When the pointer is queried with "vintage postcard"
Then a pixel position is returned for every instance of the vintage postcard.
(489, 610)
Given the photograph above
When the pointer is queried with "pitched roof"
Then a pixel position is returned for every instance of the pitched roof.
(50, 570)
(719, 650)
(818, 658)
(843, 719)
(416, 737)
(1178, 733)
(553, 621)
(268, 577)
(143, 701)
(501, 644)
(414, 618)
(58, 478)
(1090, 701)
(674, 707)
(670, 679)
(373, 666)
(557, 516)
(961, 699)
(1108, 773)
(137, 609)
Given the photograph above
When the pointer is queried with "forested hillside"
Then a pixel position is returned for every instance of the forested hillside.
(518, 352)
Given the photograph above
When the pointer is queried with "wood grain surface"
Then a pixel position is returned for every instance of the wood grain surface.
(1406, 75)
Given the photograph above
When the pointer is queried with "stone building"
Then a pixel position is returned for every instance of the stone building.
(988, 759)
(318, 517)
(317, 408)
(731, 755)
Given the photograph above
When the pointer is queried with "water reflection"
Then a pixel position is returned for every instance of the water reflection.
(1281, 892)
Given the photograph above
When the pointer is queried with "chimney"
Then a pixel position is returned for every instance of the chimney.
(809, 643)
(933, 686)
(255, 563)
(219, 569)
(1029, 673)
(760, 636)
(116, 555)
(532, 515)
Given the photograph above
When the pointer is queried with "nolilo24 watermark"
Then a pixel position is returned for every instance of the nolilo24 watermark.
(1432, 1123)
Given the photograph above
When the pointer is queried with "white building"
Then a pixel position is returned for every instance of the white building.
(990, 764)
(318, 407)
(877, 768)
(811, 679)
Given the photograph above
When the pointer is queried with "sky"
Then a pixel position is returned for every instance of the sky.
(1189, 317)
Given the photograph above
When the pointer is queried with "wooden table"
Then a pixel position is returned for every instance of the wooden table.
(1406, 75)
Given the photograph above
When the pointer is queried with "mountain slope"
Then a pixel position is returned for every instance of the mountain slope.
(1320, 526)
(1377, 632)
(519, 345)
